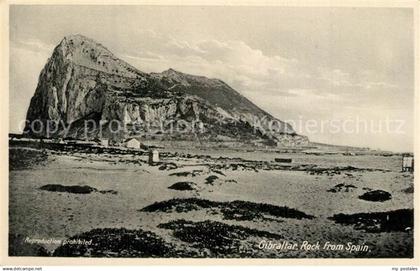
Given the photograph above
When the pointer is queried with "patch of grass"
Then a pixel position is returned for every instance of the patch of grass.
(121, 242)
(234, 210)
(376, 195)
(182, 186)
(179, 205)
(409, 190)
(26, 158)
(397, 220)
(268, 209)
(113, 192)
(210, 179)
(76, 189)
(220, 238)
(241, 214)
(18, 247)
(168, 166)
(338, 170)
(342, 187)
(192, 173)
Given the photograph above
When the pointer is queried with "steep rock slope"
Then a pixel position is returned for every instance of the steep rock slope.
(85, 91)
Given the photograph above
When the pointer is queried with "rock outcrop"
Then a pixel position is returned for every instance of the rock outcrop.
(84, 91)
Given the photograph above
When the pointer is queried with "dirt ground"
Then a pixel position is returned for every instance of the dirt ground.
(245, 206)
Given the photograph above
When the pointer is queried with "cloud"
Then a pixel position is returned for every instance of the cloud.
(248, 70)
(26, 61)
(33, 45)
(336, 77)
(254, 73)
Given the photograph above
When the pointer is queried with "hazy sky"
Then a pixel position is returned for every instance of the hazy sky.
(318, 65)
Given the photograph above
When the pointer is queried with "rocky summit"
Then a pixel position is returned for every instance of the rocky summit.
(86, 92)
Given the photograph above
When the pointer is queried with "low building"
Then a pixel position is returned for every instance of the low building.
(407, 163)
(132, 143)
(104, 142)
(283, 160)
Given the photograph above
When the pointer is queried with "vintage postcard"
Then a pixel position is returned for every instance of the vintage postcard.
(196, 131)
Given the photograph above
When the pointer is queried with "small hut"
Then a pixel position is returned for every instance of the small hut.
(132, 143)
(407, 163)
(153, 157)
(104, 142)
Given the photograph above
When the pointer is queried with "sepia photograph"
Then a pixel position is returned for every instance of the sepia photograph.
(197, 131)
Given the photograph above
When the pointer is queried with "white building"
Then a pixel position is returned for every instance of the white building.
(132, 143)
(153, 157)
(104, 142)
(408, 164)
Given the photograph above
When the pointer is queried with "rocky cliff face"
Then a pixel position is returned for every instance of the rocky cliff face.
(84, 91)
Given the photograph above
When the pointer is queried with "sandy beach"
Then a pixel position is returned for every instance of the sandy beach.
(222, 204)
